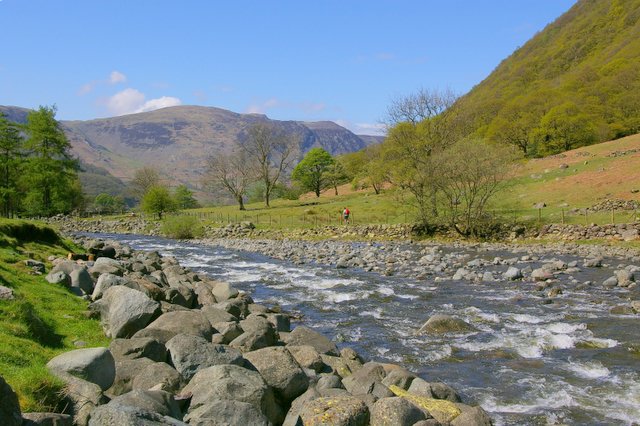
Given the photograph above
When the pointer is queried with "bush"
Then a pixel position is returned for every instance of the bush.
(182, 227)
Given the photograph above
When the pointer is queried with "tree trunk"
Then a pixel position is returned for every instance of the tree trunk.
(240, 202)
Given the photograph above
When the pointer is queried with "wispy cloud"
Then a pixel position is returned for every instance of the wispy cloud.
(130, 101)
(117, 77)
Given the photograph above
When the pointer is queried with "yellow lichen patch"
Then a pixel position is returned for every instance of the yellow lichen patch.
(442, 410)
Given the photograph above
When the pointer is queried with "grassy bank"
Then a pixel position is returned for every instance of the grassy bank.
(43, 320)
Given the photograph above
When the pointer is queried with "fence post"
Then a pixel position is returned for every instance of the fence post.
(586, 216)
(563, 216)
(539, 215)
(613, 216)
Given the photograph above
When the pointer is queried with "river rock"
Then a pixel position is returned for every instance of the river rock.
(594, 262)
(46, 419)
(158, 376)
(190, 354)
(138, 348)
(512, 274)
(231, 382)
(541, 274)
(217, 315)
(9, 406)
(302, 335)
(279, 370)
(95, 365)
(472, 416)
(399, 377)
(610, 282)
(624, 277)
(83, 397)
(6, 293)
(441, 323)
(126, 311)
(223, 291)
(336, 411)
(395, 411)
(307, 357)
(170, 324)
(367, 380)
(227, 413)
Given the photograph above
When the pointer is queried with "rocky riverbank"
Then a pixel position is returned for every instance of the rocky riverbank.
(190, 350)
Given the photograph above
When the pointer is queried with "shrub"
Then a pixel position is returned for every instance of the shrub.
(182, 227)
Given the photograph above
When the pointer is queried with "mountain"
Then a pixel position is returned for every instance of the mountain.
(575, 83)
(178, 140)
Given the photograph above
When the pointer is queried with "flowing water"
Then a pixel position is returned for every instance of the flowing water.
(528, 363)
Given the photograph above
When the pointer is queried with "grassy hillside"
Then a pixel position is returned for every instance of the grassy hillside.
(576, 82)
(43, 320)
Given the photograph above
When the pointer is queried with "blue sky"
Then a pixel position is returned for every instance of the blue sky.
(292, 60)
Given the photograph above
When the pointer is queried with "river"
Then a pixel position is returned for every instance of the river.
(530, 362)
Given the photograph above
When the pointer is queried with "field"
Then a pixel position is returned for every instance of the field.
(566, 183)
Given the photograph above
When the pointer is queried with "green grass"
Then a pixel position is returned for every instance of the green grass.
(43, 321)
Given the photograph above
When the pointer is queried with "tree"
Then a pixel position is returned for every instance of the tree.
(106, 203)
(468, 174)
(49, 178)
(313, 171)
(563, 128)
(143, 180)
(230, 172)
(10, 160)
(425, 124)
(157, 201)
(184, 198)
(270, 153)
(513, 126)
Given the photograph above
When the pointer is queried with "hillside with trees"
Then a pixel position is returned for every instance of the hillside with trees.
(574, 84)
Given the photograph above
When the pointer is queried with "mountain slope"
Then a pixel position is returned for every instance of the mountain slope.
(581, 72)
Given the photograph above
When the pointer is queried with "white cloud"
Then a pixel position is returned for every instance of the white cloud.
(163, 102)
(372, 129)
(130, 101)
(261, 108)
(117, 77)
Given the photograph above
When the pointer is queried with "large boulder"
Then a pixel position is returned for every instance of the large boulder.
(105, 281)
(95, 365)
(220, 412)
(170, 324)
(143, 347)
(336, 411)
(368, 380)
(190, 354)
(58, 277)
(471, 416)
(302, 335)
(258, 333)
(126, 311)
(395, 411)
(138, 408)
(223, 291)
(104, 265)
(158, 376)
(441, 323)
(126, 371)
(280, 370)
(46, 419)
(81, 279)
(230, 382)
(435, 390)
(216, 315)
(9, 406)
(307, 357)
(83, 397)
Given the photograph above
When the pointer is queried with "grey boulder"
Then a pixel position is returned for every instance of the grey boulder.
(279, 370)
(190, 354)
(126, 311)
(95, 365)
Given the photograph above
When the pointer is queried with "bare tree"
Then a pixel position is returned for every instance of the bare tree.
(271, 153)
(230, 172)
(418, 106)
(144, 179)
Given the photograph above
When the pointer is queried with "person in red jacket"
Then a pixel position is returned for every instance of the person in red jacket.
(345, 215)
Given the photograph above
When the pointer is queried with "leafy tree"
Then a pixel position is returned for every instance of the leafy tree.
(143, 180)
(336, 175)
(10, 161)
(230, 172)
(314, 170)
(563, 128)
(106, 203)
(158, 201)
(184, 198)
(270, 153)
(49, 181)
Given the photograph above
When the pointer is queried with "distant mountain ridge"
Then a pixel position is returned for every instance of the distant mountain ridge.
(177, 140)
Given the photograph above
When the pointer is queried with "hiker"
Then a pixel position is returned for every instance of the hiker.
(345, 215)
